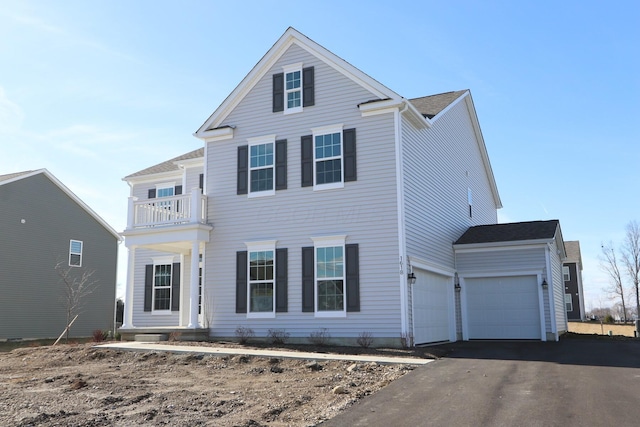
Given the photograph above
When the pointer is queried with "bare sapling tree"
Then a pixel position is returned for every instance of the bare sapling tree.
(609, 263)
(631, 258)
(77, 283)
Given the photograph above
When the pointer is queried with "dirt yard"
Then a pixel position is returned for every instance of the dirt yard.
(78, 385)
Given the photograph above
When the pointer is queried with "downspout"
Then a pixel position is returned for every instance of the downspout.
(404, 308)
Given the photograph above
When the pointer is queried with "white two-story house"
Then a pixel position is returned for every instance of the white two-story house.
(324, 202)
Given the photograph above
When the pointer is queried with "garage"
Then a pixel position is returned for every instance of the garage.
(503, 307)
(432, 307)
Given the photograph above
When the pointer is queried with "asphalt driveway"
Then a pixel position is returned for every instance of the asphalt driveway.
(574, 382)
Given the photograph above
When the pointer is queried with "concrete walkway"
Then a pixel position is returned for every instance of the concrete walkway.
(284, 354)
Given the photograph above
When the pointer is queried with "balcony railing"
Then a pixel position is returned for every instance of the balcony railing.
(174, 210)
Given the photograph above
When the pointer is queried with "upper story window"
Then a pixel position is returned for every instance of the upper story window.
(329, 157)
(566, 274)
(262, 166)
(293, 89)
(75, 253)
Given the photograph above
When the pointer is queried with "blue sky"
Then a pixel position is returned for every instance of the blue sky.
(94, 91)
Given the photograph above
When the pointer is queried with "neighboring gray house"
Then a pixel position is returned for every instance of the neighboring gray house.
(321, 200)
(42, 223)
(572, 276)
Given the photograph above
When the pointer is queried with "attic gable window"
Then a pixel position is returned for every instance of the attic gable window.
(293, 89)
(75, 253)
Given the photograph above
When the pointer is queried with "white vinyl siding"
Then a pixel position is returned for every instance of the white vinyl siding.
(298, 212)
(442, 167)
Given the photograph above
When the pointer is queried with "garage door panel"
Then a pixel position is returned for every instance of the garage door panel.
(431, 307)
(503, 307)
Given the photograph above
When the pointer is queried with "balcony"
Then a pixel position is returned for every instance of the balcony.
(168, 211)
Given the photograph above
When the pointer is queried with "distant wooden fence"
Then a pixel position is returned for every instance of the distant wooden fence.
(601, 329)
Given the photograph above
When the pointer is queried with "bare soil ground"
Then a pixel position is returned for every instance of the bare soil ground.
(602, 328)
(78, 385)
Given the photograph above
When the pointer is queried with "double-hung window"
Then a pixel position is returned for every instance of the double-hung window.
(329, 157)
(162, 287)
(293, 89)
(75, 253)
(568, 302)
(329, 260)
(261, 165)
(261, 274)
(566, 273)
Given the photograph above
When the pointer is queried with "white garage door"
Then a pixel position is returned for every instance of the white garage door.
(431, 307)
(503, 307)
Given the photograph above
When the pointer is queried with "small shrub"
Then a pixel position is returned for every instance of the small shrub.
(320, 337)
(244, 334)
(278, 336)
(99, 335)
(118, 336)
(365, 339)
(406, 339)
(609, 319)
(175, 336)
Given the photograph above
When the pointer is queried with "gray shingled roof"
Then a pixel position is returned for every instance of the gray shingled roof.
(430, 106)
(533, 230)
(13, 175)
(169, 165)
(573, 252)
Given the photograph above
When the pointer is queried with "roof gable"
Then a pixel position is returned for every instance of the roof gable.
(573, 252)
(170, 165)
(511, 232)
(290, 37)
(430, 106)
(9, 178)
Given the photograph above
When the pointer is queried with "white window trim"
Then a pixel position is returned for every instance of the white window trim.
(326, 130)
(570, 301)
(258, 246)
(164, 185)
(566, 273)
(325, 242)
(290, 69)
(164, 260)
(75, 253)
(259, 140)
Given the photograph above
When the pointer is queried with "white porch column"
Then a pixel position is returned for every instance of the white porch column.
(196, 206)
(193, 287)
(127, 320)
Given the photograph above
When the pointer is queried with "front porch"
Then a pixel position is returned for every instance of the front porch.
(165, 239)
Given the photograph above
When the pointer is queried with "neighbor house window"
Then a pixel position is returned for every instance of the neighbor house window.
(75, 253)
(261, 165)
(568, 302)
(566, 274)
(470, 202)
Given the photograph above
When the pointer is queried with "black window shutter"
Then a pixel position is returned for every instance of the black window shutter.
(282, 275)
(350, 170)
(353, 277)
(152, 193)
(177, 190)
(175, 287)
(201, 182)
(243, 169)
(148, 286)
(308, 93)
(308, 279)
(281, 164)
(278, 92)
(307, 160)
(241, 282)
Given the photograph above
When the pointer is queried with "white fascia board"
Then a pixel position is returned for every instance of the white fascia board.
(379, 107)
(483, 148)
(219, 134)
(76, 199)
(290, 37)
(497, 246)
(415, 117)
